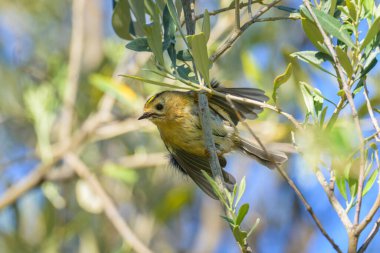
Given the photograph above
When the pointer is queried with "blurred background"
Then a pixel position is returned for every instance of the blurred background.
(38, 42)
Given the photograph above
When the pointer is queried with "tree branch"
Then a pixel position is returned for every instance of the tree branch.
(370, 237)
(286, 178)
(74, 67)
(238, 32)
(109, 207)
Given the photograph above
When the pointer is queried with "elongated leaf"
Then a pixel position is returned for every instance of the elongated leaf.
(308, 98)
(281, 79)
(240, 236)
(200, 55)
(154, 38)
(121, 19)
(138, 9)
(314, 58)
(253, 227)
(313, 34)
(139, 45)
(240, 191)
(370, 182)
(352, 8)
(206, 25)
(230, 221)
(155, 82)
(345, 61)
(329, 24)
(371, 34)
(242, 213)
(341, 184)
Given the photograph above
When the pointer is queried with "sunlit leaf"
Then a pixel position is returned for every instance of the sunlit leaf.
(241, 191)
(200, 55)
(281, 79)
(370, 181)
(330, 24)
(314, 58)
(371, 34)
(206, 25)
(313, 34)
(243, 210)
(341, 184)
(345, 61)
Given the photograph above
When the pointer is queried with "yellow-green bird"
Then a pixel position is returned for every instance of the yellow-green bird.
(176, 115)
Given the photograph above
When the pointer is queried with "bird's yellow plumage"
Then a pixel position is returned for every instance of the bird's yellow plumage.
(176, 116)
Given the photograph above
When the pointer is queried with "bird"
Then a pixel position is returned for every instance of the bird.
(176, 115)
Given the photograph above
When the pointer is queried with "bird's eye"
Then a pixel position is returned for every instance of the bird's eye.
(159, 107)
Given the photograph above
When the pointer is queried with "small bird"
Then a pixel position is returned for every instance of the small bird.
(176, 115)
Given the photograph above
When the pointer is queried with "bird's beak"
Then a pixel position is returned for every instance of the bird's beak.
(145, 115)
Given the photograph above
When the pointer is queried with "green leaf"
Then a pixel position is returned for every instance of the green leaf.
(184, 71)
(174, 14)
(313, 33)
(200, 55)
(323, 116)
(242, 213)
(139, 45)
(240, 191)
(169, 27)
(352, 9)
(184, 55)
(138, 10)
(370, 181)
(281, 79)
(121, 19)
(341, 184)
(206, 25)
(371, 34)
(314, 58)
(308, 98)
(240, 236)
(154, 38)
(332, 7)
(155, 82)
(330, 25)
(345, 61)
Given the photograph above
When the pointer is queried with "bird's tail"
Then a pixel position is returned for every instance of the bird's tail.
(268, 158)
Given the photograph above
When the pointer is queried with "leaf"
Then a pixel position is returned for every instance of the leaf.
(139, 45)
(117, 89)
(184, 71)
(200, 55)
(121, 19)
(240, 191)
(281, 79)
(138, 10)
(371, 34)
(332, 7)
(370, 182)
(155, 82)
(242, 213)
(308, 99)
(314, 58)
(313, 33)
(169, 28)
(184, 55)
(206, 25)
(345, 61)
(329, 24)
(240, 236)
(215, 187)
(341, 184)
(323, 115)
(352, 9)
(153, 33)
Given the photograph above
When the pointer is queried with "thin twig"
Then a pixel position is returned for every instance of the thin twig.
(370, 111)
(286, 178)
(237, 14)
(109, 207)
(369, 216)
(353, 237)
(237, 33)
(74, 68)
(370, 237)
(333, 200)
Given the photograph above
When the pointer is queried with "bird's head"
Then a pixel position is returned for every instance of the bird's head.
(155, 108)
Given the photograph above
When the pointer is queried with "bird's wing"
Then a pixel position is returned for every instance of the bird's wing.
(193, 165)
(248, 111)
